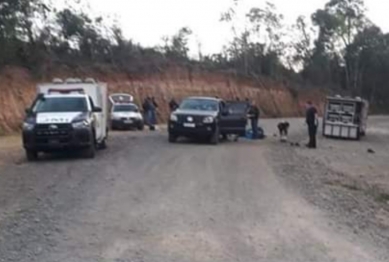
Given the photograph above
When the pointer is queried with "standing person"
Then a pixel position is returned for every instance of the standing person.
(253, 115)
(312, 123)
(153, 113)
(247, 101)
(146, 109)
(154, 102)
(173, 105)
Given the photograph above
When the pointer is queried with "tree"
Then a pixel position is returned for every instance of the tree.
(339, 23)
(257, 48)
(266, 25)
(303, 42)
(371, 51)
(17, 32)
(176, 47)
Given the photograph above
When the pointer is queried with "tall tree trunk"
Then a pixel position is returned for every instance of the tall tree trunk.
(356, 77)
(347, 73)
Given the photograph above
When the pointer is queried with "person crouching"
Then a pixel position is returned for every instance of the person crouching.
(283, 128)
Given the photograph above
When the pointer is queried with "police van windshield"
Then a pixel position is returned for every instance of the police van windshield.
(200, 104)
(125, 108)
(61, 104)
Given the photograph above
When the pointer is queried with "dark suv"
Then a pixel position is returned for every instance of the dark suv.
(208, 118)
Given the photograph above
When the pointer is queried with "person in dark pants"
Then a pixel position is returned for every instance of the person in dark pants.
(154, 102)
(253, 115)
(312, 123)
(153, 106)
(146, 109)
(173, 105)
(283, 128)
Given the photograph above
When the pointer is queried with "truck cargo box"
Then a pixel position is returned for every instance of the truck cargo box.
(345, 117)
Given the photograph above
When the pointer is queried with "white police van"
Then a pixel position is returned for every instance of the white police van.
(67, 115)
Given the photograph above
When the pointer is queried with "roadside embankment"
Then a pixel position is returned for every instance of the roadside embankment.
(276, 99)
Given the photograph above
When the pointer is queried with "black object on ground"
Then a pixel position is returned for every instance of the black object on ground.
(371, 151)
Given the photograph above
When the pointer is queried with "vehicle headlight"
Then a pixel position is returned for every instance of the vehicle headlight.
(173, 118)
(208, 120)
(81, 124)
(28, 126)
(116, 117)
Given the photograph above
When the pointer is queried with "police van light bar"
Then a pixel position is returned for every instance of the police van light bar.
(67, 91)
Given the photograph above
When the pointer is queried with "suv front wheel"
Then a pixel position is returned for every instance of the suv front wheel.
(31, 155)
(172, 138)
(215, 137)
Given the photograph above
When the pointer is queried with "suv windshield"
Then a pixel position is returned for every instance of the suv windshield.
(61, 104)
(200, 104)
(125, 108)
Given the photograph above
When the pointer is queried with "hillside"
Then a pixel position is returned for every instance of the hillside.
(17, 90)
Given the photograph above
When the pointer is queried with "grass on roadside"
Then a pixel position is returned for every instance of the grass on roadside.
(343, 184)
(382, 198)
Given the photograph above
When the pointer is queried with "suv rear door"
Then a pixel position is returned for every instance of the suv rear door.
(233, 119)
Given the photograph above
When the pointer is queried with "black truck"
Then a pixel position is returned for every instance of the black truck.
(208, 118)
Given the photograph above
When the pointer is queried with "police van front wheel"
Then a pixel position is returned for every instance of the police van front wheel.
(90, 152)
(103, 144)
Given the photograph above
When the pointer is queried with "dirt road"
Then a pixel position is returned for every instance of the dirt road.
(146, 200)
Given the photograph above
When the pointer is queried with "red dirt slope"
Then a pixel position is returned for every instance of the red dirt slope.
(17, 90)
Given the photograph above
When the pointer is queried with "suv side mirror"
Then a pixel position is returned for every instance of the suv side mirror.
(97, 109)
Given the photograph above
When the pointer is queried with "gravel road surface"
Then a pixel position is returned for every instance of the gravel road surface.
(145, 200)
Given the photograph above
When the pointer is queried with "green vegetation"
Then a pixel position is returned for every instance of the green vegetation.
(382, 198)
(338, 48)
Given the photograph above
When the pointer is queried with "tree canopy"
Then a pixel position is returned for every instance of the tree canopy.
(337, 48)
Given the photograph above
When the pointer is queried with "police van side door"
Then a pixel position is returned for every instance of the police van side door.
(97, 116)
(234, 117)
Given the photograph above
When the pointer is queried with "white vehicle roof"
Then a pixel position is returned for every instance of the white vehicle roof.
(204, 98)
(125, 104)
(345, 99)
(62, 95)
(73, 87)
